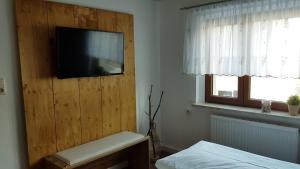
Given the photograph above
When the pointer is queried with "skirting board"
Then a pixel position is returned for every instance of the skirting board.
(169, 149)
(120, 166)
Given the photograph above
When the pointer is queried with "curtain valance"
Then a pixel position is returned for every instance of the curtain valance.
(244, 37)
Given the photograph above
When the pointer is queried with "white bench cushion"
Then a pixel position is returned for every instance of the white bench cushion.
(90, 151)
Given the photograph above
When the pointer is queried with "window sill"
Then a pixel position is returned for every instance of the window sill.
(246, 110)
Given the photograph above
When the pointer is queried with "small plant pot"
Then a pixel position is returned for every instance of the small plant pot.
(293, 109)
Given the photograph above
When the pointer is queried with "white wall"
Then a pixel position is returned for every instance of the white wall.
(146, 30)
(12, 135)
(179, 128)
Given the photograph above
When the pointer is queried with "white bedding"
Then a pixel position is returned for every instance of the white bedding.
(206, 155)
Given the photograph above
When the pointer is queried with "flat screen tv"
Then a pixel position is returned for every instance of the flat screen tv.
(85, 53)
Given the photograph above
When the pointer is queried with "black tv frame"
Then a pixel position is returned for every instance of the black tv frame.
(59, 76)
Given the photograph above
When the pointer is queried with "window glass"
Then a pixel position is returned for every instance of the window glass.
(275, 89)
(225, 86)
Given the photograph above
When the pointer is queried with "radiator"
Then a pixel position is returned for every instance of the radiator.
(269, 140)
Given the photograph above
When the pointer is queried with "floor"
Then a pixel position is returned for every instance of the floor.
(152, 166)
(162, 154)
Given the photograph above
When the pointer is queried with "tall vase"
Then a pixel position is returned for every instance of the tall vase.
(154, 143)
(293, 109)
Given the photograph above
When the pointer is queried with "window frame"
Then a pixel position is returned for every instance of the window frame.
(243, 99)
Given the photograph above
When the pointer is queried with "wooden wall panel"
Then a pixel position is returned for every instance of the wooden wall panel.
(36, 73)
(110, 84)
(86, 17)
(65, 113)
(125, 24)
(127, 82)
(111, 112)
(91, 114)
(127, 103)
(90, 88)
(66, 92)
(107, 20)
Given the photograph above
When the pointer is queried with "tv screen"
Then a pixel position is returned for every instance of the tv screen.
(84, 53)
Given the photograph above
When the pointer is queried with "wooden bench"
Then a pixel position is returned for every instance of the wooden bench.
(127, 147)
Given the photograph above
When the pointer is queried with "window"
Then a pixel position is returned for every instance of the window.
(253, 38)
(275, 89)
(249, 91)
(224, 89)
(224, 86)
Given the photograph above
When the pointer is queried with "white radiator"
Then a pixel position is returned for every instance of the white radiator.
(269, 140)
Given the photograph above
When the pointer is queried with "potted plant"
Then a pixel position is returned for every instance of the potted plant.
(293, 104)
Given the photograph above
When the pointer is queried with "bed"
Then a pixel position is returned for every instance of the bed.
(206, 155)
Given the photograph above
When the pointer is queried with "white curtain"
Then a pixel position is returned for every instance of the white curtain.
(244, 37)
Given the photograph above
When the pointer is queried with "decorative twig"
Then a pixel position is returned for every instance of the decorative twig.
(158, 107)
(162, 93)
(150, 109)
(152, 118)
(156, 111)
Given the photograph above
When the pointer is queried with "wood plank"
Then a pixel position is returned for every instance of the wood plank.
(128, 103)
(40, 126)
(111, 113)
(60, 15)
(91, 114)
(127, 82)
(86, 17)
(107, 20)
(90, 88)
(66, 91)
(67, 112)
(36, 74)
(125, 25)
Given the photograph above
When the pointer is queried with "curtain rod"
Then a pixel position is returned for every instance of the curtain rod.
(206, 4)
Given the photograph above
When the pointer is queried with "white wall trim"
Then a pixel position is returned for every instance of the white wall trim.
(169, 148)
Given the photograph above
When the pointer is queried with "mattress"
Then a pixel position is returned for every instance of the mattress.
(206, 155)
